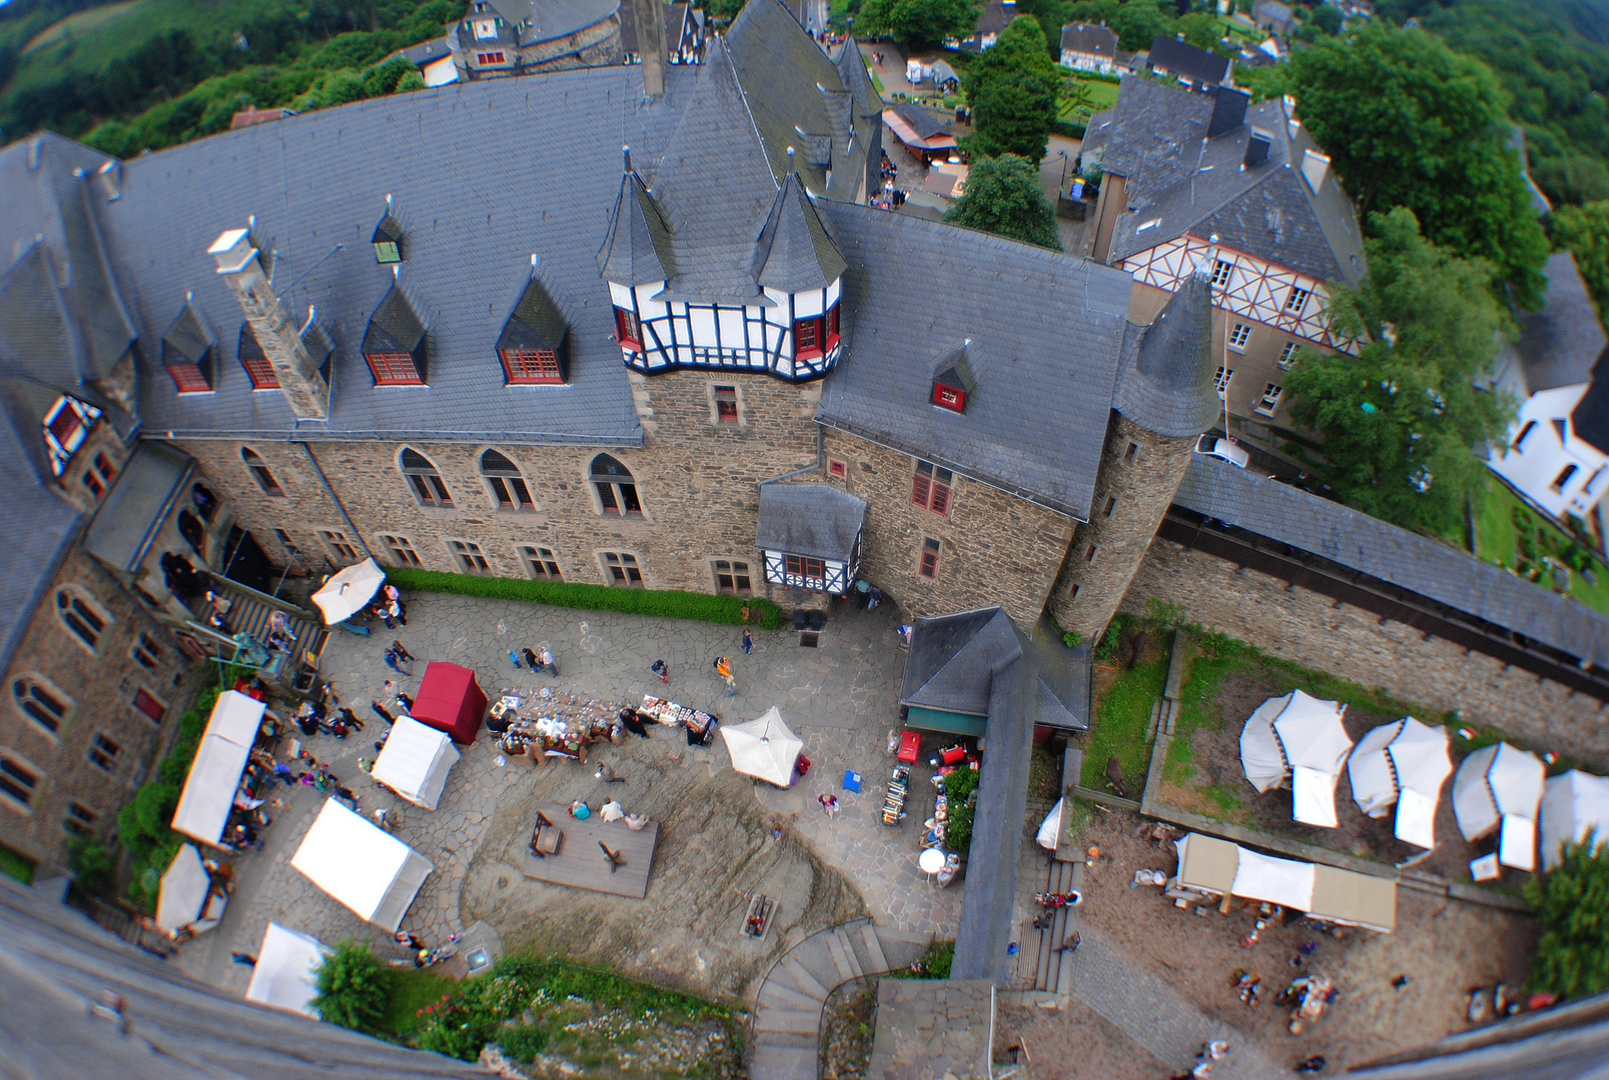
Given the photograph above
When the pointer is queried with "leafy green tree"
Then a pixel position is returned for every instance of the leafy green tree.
(1137, 23)
(1003, 196)
(1012, 89)
(1408, 122)
(1400, 418)
(352, 987)
(90, 863)
(1571, 903)
(1201, 29)
(1326, 18)
(917, 23)
(1584, 232)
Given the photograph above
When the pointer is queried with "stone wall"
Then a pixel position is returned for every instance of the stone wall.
(1309, 628)
(99, 687)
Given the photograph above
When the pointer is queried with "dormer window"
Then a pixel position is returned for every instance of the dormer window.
(954, 383)
(394, 344)
(628, 329)
(387, 241)
(187, 352)
(532, 344)
(67, 424)
(949, 397)
(816, 335)
(253, 359)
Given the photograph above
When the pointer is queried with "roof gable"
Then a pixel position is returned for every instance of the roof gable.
(953, 658)
(395, 327)
(795, 250)
(1176, 55)
(536, 321)
(1089, 39)
(187, 338)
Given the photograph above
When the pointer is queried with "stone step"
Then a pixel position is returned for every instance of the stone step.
(776, 995)
(808, 1042)
(782, 1063)
(1064, 973)
(815, 956)
(848, 948)
(797, 1022)
(835, 946)
(802, 978)
(901, 950)
(874, 950)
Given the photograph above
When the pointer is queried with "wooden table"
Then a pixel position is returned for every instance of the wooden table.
(580, 863)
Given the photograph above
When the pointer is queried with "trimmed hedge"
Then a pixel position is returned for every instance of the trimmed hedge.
(1067, 129)
(666, 602)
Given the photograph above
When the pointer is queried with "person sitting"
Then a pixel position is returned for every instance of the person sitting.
(612, 811)
(636, 822)
(580, 810)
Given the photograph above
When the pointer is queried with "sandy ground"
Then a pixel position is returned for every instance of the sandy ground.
(1075, 1042)
(1445, 947)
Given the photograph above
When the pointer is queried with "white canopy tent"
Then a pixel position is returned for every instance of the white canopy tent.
(345, 593)
(764, 748)
(1573, 805)
(1210, 865)
(182, 900)
(1301, 737)
(370, 871)
(1498, 788)
(285, 975)
(415, 761)
(1402, 764)
(209, 789)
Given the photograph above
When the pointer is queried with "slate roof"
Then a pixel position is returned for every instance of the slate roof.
(1165, 384)
(395, 326)
(1188, 184)
(1428, 567)
(637, 248)
(1089, 39)
(187, 337)
(924, 123)
(548, 19)
(39, 526)
(1560, 344)
(537, 322)
(953, 658)
(795, 251)
(995, 16)
(1045, 371)
(129, 516)
(1590, 419)
(1569, 1041)
(817, 520)
(1181, 58)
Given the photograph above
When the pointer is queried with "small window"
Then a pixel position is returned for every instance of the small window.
(1089, 555)
(620, 568)
(816, 335)
(255, 361)
(616, 488)
(490, 58)
(401, 549)
(339, 545)
(1076, 590)
(1519, 440)
(287, 543)
(732, 576)
(949, 397)
(427, 484)
(1220, 380)
(628, 329)
(189, 378)
(393, 369)
(471, 560)
(103, 465)
(45, 707)
(1220, 273)
(86, 623)
(929, 567)
(1111, 504)
(837, 468)
(1296, 300)
(104, 752)
(525, 367)
(1287, 355)
(1272, 392)
(260, 472)
(801, 566)
(1134, 448)
(148, 705)
(1239, 335)
(80, 820)
(540, 563)
(146, 652)
(1566, 474)
(726, 405)
(17, 781)
(93, 482)
(930, 487)
(506, 484)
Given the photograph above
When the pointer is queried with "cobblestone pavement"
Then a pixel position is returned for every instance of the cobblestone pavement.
(840, 698)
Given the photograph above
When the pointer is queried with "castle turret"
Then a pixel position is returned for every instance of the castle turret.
(1162, 403)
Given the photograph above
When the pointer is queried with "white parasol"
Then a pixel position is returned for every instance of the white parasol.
(345, 594)
(184, 888)
(764, 748)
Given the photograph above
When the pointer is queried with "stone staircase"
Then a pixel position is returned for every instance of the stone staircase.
(251, 611)
(785, 1044)
(1054, 971)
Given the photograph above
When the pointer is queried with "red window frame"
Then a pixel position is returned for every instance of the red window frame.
(491, 57)
(189, 379)
(261, 372)
(529, 367)
(930, 487)
(929, 567)
(146, 703)
(628, 329)
(804, 567)
(949, 397)
(726, 405)
(393, 369)
(837, 468)
(816, 335)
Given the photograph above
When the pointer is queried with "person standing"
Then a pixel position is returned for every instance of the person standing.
(723, 668)
(380, 711)
(532, 659)
(549, 662)
(662, 669)
(402, 653)
(394, 606)
(393, 662)
(243, 958)
(514, 658)
(748, 642)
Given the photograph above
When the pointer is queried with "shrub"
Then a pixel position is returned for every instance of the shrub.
(523, 1043)
(90, 863)
(351, 988)
(669, 603)
(958, 788)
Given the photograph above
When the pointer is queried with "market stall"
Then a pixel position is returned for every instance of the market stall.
(700, 725)
(186, 900)
(1403, 765)
(1301, 738)
(286, 972)
(1573, 806)
(415, 761)
(764, 748)
(214, 780)
(345, 594)
(450, 700)
(368, 870)
(1499, 789)
(1210, 867)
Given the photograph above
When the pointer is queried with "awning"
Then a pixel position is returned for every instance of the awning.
(220, 759)
(1210, 865)
(344, 595)
(450, 700)
(368, 870)
(1355, 899)
(415, 761)
(952, 723)
(183, 891)
(285, 975)
(134, 511)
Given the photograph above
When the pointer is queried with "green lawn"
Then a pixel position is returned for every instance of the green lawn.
(1103, 95)
(1508, 533)
(18, 866)
(1121, 723)
(410, 992)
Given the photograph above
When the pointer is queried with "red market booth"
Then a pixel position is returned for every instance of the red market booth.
(450, 700)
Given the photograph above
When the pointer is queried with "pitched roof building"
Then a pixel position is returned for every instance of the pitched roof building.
(1088, 47)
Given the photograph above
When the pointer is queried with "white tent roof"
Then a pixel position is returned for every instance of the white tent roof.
(1573, 805)
(1374, 782)
(1260, 753)
(1405, 764)
(345, 594)
(285, 975)
(1313, 797)
(1499, 785)
(1315, 744)
(1276, 881)
(1325, 892)
(209, 789)
(764, 748)
(236, 717)
(370, 871)
(415, 761)
(184, 889)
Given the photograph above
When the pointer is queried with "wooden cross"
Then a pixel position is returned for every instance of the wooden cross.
(613, 858)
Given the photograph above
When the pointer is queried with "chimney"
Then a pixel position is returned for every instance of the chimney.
(299, 379)
(1315, 167)
(1228, 111)
(109, 179)
(650, 18)
(1257, 148)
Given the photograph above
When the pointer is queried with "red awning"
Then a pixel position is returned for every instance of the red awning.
(450, 700)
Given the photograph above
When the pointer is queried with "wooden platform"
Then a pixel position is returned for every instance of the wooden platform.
(580, 863)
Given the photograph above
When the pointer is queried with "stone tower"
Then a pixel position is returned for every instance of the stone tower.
(1162, 403)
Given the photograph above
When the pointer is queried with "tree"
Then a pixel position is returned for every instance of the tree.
(1408, 122)
(352, 989)
(1584, 232)
(1203, 30)
(917, 23)
(1003, 196)
(1571, 903)
(1399, 419)
(1012, 89)
(1138, 22)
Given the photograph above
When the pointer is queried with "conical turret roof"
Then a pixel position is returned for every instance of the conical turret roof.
(637, 249)
(795, 250)
(1165, 384)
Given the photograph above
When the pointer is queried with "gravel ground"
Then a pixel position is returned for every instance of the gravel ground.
(1075, 1042)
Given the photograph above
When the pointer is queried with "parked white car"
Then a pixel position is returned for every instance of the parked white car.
(1224, 449)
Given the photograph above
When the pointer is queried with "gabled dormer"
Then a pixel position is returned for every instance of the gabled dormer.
(188, 351)
(953, 381)
(394, 344)
(532, 345)
(387, 238)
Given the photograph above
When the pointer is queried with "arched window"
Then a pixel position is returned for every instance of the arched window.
(426, 481)
(86, 622)
(504, 479)
(617, 490)
(17, 781)
(44, 705)
(260, 472)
